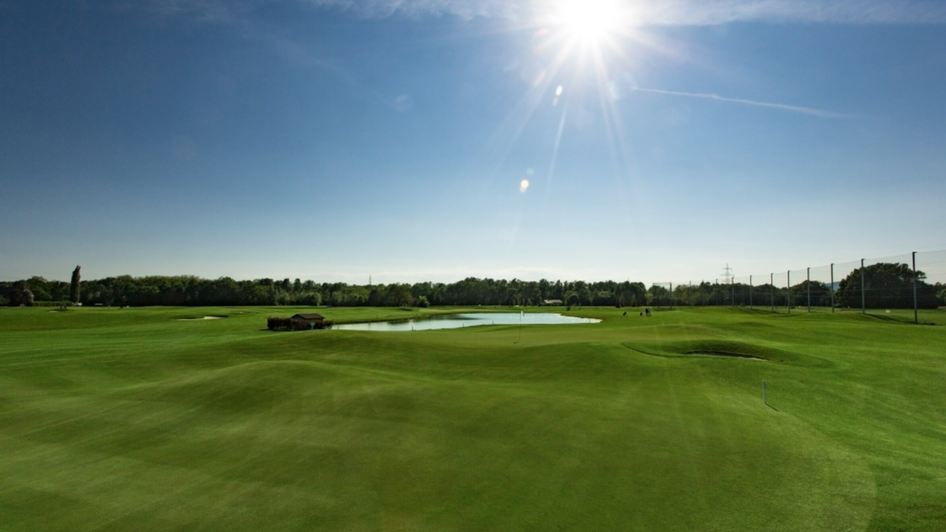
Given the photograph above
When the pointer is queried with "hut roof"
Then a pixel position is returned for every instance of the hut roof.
(308, 317)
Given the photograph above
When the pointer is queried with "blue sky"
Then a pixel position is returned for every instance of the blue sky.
(330, 140)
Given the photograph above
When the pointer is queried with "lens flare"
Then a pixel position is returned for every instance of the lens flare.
(524, 186)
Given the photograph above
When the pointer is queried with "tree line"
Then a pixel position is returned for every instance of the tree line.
(888, 285)
(885, 286)
(185, 290)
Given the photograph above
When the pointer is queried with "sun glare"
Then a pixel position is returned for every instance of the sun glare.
(590, 20)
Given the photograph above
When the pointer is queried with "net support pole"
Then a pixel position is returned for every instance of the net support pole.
(772, 289)
(788, 283)
(732, 287)
(832, 288)
(863, 292)
(750, 292)
(916, 314)
(671, 296)
(808, 282)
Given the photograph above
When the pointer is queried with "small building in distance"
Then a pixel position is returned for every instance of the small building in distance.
(311, 321)
(552, 302)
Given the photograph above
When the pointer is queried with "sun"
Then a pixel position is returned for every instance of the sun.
(590, 20)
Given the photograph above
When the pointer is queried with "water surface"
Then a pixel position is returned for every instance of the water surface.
(456, 321)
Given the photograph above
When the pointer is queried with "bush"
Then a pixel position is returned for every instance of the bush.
(423, 302)
(299, 325)
(279, 324)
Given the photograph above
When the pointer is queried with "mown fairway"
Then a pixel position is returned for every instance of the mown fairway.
(129, 420)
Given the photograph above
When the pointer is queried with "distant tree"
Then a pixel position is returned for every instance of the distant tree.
(398, 295)
(58, 290)
(423, 302)
(557, 291)
(21, 295)
(375, 296)
(4, 301)
(683, 294)
(585, 295)
(312, 298)
(820, 294)
(119, 286)
(571, 298)
(887, 285)
(658, 295)
(297, 285)
(421, 289)
(74, 286)
(38, 285)
(630, 294)
(544, 289)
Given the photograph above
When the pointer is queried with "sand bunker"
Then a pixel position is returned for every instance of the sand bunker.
(200, 319)
(723, 354)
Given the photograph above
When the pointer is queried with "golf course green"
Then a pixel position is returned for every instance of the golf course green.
(150, 419)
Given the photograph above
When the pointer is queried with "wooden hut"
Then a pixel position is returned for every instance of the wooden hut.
(311, 321)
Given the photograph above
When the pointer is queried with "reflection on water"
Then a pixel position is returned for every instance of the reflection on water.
(455, 321)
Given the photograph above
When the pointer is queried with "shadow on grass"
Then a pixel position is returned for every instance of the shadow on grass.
(901, 320)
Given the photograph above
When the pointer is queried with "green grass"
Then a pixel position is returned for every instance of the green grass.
(130, 420)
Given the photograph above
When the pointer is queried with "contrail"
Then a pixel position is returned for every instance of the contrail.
(794, 108)
(558, 142)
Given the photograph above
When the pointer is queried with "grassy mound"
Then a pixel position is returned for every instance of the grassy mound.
(720, 348)
(122, 419)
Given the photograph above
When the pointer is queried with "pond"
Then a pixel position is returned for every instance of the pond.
(456, 321)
